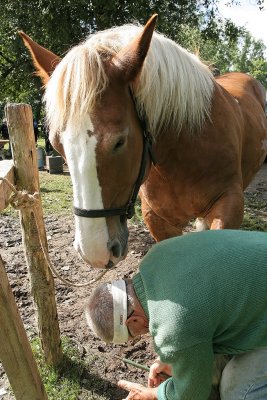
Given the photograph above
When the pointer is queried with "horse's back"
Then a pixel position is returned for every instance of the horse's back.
(239, 84)
(249, 95)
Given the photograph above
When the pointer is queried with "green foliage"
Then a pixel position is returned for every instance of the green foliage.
(230, 50)
(72, 379)
(137, 218)
(249, 57)
(62, 24)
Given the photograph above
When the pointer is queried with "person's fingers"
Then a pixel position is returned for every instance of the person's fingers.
(153, 382)
(124, 385)
(150, 383)
(128, 385)
(135, 390)
(152, 377)
(154, 370)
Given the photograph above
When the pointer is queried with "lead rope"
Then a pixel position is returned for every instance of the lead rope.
(22, 199)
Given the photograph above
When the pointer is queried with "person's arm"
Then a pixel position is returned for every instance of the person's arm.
(192, 375)
(140, 392)
(192, 378)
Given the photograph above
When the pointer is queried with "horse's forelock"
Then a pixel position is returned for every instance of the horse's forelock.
(73, 88)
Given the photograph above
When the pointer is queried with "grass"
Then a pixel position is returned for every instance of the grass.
(56, 190)
(72, 380)
(56, 193)
(255, 215)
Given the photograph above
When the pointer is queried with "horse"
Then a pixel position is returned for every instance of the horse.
(130, 109)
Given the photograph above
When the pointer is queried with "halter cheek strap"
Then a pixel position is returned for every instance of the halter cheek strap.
(119, 295)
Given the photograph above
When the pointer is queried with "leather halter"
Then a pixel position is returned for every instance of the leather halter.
(128, 210)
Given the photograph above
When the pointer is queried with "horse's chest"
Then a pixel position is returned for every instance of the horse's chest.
(169, 196)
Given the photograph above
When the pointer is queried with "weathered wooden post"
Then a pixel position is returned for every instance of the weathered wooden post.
(20, 125)
(6, 171)
(15, 350)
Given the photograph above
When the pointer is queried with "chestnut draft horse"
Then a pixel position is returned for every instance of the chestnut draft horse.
(126, 94)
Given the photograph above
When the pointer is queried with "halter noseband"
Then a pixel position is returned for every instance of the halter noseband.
(128, 210)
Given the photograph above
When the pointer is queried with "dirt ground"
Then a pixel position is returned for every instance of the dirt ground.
(70, 301)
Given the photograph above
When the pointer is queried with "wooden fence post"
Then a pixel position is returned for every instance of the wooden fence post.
(20, 125)
(15, 350)
(6, 171)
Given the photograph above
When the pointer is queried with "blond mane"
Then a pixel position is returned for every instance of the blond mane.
(175, 87)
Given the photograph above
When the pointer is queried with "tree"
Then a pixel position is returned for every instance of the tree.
(249, 57)
(229, 49)
(60, 25)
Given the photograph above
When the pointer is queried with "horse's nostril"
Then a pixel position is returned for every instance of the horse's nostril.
(110, 264)
(115, 248)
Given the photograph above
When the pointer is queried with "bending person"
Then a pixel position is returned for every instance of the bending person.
(198, 295)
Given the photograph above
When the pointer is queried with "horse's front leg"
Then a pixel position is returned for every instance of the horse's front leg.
(159, 228)
(228, 211)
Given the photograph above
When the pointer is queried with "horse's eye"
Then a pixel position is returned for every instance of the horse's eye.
(119, 144)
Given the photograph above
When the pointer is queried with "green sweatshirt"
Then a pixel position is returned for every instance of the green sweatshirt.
(203, 293)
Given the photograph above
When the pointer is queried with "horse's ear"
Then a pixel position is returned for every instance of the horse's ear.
(130, 59)
(44, 60)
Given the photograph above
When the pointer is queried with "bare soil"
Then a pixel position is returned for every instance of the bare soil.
(70, 301)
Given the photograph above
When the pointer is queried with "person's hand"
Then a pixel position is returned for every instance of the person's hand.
(137, 391)
(158, 373)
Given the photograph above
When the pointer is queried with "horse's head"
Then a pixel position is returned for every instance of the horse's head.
(95, 126)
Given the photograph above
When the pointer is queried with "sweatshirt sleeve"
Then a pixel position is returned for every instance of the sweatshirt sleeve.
(192, 374)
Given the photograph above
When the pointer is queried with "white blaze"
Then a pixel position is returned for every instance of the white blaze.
(91, 234)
